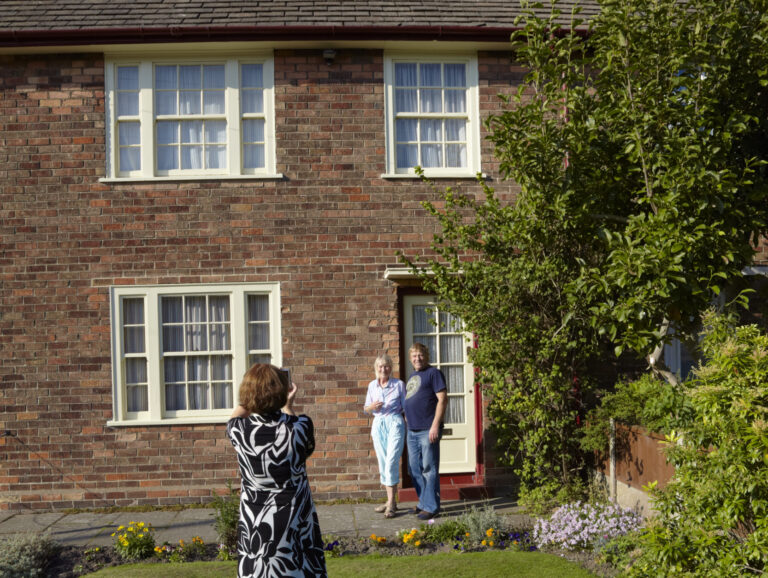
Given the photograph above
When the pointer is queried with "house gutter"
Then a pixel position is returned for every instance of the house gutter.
(176, 34)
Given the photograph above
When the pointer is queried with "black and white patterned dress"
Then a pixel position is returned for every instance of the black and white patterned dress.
(278, 534)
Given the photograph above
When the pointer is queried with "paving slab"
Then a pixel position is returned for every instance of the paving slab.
(87, 528)
(26, 523)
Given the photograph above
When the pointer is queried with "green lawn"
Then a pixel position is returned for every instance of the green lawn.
(475, 565)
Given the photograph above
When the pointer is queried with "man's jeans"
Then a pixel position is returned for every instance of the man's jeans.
(423, 465)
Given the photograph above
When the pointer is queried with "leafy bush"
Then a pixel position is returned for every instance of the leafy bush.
(445, 532)
(227, 516)
(621, 551)
(649, 402)
(478, 520)
(584, 526)
(134, 542)
(713, 516)
(26, 555)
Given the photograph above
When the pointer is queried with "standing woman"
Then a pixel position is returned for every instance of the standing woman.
(385, 400)
(278, 531)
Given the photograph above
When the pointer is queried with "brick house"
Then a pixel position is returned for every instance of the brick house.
(187, 188)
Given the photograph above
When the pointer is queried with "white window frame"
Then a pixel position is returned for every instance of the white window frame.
(151, 296)
(472, 116)
(146, 117)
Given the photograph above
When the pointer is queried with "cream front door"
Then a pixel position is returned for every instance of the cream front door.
(444, 336)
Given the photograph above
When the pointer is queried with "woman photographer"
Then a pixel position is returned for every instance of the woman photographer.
(278, 531)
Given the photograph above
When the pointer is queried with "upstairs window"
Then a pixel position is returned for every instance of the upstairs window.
(190, 119)
(432, 116)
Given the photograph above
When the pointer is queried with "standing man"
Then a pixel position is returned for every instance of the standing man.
(425, 402)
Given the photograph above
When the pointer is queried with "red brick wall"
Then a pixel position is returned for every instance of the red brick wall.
(326, 232)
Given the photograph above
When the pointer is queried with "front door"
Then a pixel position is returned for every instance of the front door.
(444, 336)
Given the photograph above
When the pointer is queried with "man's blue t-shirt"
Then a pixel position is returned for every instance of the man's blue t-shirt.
(420, 398)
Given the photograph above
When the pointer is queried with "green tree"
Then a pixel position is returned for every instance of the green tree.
(639, 143)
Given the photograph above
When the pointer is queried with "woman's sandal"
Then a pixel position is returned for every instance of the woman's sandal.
(389, 513)
(380, 509)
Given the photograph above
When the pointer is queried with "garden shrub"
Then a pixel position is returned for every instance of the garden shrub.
(227, 516)
(26, 555)
(585, 526)
(445, 532)
(478, 520)
(713, 516)
(649, 402)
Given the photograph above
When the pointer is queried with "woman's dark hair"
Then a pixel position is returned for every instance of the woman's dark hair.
(264, 389)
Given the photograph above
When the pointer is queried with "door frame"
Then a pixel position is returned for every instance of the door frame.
(476, 477)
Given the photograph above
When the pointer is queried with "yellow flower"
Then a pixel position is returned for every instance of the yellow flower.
(140, 524)
(112, 534)
(373, 536)
(466, 534)
(418, 543)
(483, 542)
(489, 532)
(490, 543)
(120, 528)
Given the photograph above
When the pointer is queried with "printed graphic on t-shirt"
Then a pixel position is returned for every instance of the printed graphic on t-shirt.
(413, 386)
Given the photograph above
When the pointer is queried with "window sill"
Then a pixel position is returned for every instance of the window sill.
(429, 176)
(221, 419)
(264, 176)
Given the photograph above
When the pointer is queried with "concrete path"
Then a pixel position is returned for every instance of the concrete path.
(356, 520)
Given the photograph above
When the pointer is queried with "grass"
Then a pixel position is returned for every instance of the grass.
(496, 564)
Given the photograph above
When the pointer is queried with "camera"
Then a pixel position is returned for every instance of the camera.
(287, 373)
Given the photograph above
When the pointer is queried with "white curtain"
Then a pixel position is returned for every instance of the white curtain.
(430, 100)
(194, 315)
(221, 376)
(407, 156)
(422, 317)
(406, 75)
(127, 78)
(136, 384)
(431, 74)
(219, 319)
(456, 75)
(213, 93)
(175, 390)
(133, 326)
(137, 398)
(129, 138)
(431, 130)
(451, 349)
(252, 88)
(252, 76)
(190, 85)
(127, 104)
(455, 101)
(431, 155)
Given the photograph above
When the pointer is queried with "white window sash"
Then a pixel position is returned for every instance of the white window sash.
(151, 296)
(472, 117)
(233, 166)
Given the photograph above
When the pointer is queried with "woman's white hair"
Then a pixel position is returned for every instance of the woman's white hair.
(384, 359)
